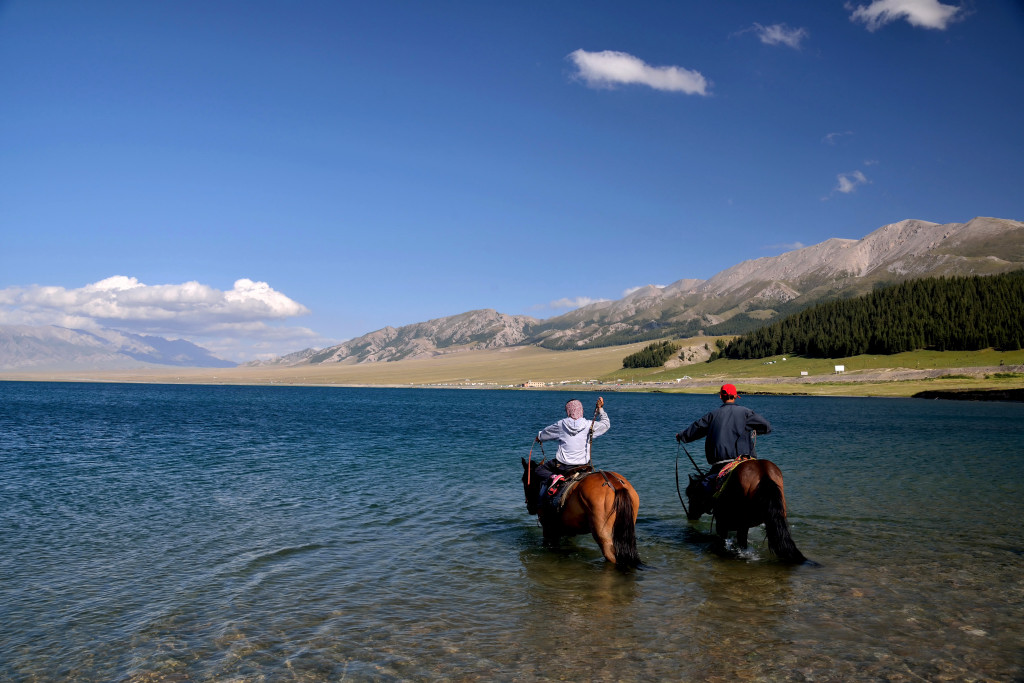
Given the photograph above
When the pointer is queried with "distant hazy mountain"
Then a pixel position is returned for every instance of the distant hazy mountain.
(44, 348)
(734, 300)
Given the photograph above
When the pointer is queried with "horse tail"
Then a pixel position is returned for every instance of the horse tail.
(769, 498)
(624, 530)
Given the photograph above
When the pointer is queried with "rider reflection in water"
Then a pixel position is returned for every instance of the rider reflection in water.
(729, 430)
(573, 433)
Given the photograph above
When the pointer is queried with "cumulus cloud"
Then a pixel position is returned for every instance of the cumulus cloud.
(125, 299)
(848, 182)
(781, 34)
(921, 13)
(232, 322)
(609, 68)
(573, 303)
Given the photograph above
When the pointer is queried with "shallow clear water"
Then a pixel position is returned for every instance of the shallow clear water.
(267, 533)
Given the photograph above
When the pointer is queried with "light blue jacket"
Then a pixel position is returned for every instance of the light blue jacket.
(572, 437)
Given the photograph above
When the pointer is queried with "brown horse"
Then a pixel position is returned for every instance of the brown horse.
(602, 503)
(752, 496)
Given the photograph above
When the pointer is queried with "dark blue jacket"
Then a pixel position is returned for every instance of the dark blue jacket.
(728, 430)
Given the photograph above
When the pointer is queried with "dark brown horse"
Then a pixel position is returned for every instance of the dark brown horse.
(602, 503)
(752, 496)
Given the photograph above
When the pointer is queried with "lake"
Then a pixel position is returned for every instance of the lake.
(172, 533)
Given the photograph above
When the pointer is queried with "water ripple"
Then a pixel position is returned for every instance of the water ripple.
(219, 533)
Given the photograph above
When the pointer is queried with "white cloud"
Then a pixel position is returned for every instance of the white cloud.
(780, 34)
(573, 303)
(848, 182)
(609, 68)
(832, 138)
(259, 341)
(232, 323)
(920, 13)
(630, 290)
(784, 247)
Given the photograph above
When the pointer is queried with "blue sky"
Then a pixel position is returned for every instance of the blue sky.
(261, 177)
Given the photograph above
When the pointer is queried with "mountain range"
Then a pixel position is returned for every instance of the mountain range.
(48, 347)
(733, 301)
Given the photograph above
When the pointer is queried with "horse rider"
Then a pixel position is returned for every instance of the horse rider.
(573, 433)
(730, 430)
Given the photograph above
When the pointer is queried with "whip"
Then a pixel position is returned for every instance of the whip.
(590, 435)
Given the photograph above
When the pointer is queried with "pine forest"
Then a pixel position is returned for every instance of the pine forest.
(945, 314)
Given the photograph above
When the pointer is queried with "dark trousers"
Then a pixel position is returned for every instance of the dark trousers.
(550, 468)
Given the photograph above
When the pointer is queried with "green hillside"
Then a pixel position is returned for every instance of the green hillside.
(955, 313)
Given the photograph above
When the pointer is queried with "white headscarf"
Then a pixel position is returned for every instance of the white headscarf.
(574, 409)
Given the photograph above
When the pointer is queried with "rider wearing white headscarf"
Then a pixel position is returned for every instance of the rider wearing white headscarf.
(573, 435)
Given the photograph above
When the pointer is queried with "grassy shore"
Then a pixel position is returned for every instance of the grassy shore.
(903, 374)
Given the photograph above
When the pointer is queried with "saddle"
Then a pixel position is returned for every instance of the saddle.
(717, 483)
(562, 484)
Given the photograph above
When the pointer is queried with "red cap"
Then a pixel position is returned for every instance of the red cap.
(729, 390)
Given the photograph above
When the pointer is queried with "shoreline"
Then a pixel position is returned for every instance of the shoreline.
(1012, 395)
(961, 383)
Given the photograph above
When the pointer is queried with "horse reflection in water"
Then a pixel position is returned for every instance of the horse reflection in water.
(603, 504)
(751, 496)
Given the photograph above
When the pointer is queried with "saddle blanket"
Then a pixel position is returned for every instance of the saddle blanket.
(560, 486)
(717, 483)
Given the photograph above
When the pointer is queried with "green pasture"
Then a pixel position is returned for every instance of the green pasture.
(792, 366)
(862, 377)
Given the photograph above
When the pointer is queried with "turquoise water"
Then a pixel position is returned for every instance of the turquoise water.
(163, 533)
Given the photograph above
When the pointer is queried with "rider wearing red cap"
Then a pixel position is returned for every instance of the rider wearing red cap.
(729, 430)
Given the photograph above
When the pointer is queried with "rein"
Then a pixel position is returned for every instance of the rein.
(529, 459)
(678, 492)
(699, 471)
(679, 444)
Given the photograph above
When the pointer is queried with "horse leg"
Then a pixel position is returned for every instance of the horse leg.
(741, 538)
(550, 528)
(605, 542)
(602, 527)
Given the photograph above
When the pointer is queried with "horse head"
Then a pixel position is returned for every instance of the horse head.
(531, 485)
(700, 501)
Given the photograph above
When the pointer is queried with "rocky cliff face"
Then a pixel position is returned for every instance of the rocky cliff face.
(758, 289)
(483, 329)
(907, 248)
